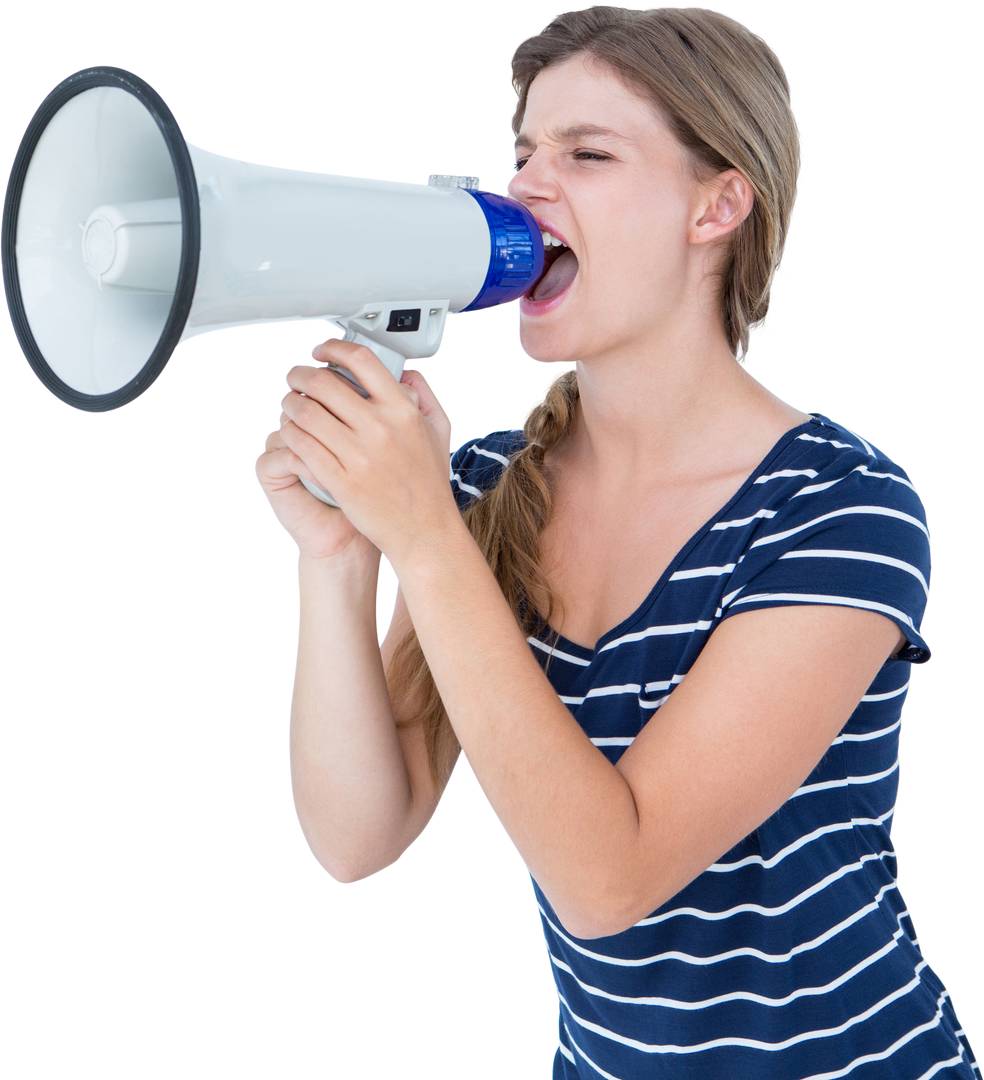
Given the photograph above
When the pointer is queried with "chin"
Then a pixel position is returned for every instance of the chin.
(546, 346)
(544, 354)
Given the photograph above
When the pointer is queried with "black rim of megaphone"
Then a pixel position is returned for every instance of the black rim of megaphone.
(190, 235)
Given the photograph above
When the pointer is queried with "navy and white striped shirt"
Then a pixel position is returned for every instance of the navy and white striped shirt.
(794, 956)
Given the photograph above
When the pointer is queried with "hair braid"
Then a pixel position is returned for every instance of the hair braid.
(506, 523)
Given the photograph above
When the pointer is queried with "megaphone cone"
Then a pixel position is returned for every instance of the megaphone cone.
(119, 240)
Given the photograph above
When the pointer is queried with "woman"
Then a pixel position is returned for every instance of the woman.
(699, 774)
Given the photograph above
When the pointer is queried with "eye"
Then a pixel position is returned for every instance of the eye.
(512, 165)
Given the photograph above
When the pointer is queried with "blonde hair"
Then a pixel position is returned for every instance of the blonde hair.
(726, 98)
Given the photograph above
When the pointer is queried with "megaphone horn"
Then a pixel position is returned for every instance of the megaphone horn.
(119, 240)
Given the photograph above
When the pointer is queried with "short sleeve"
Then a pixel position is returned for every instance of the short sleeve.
(477, 466)
(854, 536)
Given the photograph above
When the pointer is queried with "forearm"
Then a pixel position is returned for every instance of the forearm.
(351, 786)
(569, 812)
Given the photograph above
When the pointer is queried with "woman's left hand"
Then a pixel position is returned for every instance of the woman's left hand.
(384, 458)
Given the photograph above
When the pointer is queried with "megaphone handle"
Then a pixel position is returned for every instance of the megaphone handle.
(394, 362)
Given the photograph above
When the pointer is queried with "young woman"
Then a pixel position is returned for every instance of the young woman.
(699, 773)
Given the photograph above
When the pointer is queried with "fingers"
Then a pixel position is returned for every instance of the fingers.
(315, 425)
(280, 468)
(371, 374)
(328, 389)
(361, 361)
(319, 462)
(332, 436)
(320, 395)
(293, 450)
(322, 403)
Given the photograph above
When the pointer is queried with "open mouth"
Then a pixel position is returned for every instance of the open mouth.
(559, 270)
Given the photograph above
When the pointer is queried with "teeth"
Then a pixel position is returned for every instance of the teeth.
(551, 241)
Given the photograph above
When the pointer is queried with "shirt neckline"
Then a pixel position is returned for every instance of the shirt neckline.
(556, 642)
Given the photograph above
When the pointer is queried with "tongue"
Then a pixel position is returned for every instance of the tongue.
(562, 272)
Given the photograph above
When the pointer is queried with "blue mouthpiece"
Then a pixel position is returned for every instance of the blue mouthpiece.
(517, 251)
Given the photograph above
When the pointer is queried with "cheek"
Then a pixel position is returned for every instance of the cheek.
(645, 263)
(646, 243)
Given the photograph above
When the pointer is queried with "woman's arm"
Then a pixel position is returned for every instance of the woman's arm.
(609, 844)
(362, 786)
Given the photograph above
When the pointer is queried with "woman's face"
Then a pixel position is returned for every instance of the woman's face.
(601, 171)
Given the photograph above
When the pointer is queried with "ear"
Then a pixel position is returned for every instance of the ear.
(724, 204)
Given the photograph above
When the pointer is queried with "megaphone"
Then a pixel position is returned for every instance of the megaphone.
(120, 240)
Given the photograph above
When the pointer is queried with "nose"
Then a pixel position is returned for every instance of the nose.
(533, 182)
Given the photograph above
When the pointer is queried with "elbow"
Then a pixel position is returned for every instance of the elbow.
(594, 927)
(345, 877)
(347, 867)
(605, 913)
(342, 871)
(593, 924)
(345, 872)
(348, 873)
(592, 919)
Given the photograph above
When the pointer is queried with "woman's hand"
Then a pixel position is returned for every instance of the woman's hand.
(320, 531)
(384, 458)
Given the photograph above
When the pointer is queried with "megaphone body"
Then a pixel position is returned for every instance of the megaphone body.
(120, 240)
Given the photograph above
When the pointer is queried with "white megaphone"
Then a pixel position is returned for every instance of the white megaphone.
(120, 240)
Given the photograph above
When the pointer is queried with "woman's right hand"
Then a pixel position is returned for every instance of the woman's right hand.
(320, 531)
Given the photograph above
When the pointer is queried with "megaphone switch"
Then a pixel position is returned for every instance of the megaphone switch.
(120, 240)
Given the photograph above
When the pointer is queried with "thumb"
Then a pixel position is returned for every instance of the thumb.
(420, 390)
(423, 397)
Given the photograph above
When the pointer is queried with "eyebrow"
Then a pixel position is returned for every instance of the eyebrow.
(574, 133)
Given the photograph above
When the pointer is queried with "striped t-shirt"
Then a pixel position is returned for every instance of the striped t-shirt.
(794, 956)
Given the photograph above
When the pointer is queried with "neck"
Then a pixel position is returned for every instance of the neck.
(671, 406)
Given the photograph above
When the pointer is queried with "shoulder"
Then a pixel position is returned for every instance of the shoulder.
(822, 478)
(477, 465)
(827, 469)
(838, 522)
